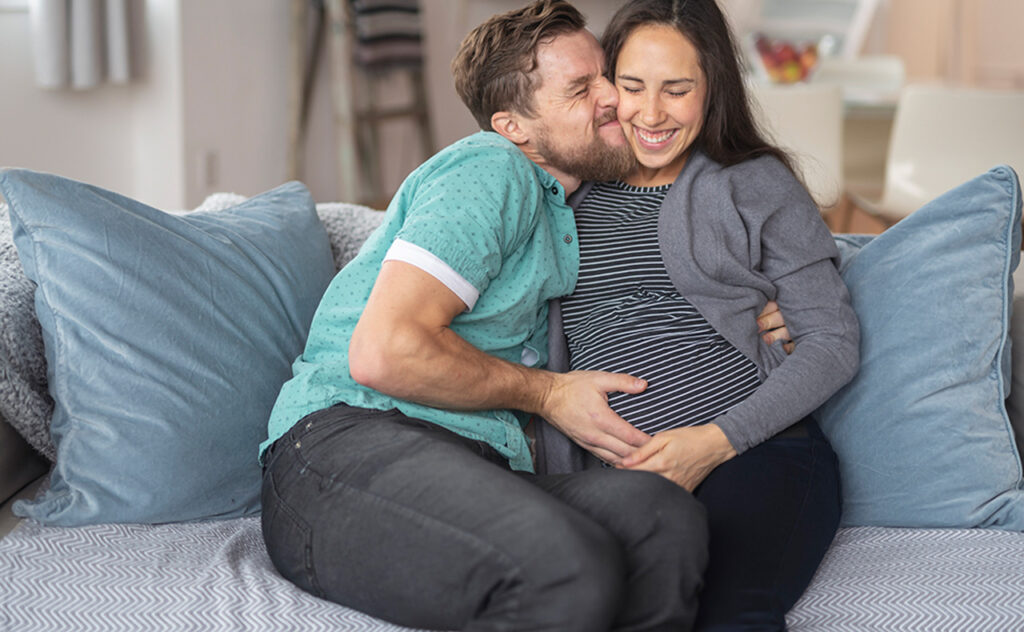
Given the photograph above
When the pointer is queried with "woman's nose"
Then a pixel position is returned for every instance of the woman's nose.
(650, 110)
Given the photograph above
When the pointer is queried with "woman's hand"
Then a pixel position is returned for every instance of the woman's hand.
(772, 326)
(685, 456)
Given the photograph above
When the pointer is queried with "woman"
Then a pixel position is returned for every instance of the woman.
(676, 262)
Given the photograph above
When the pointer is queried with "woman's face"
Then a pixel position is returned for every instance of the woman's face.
(661, 100)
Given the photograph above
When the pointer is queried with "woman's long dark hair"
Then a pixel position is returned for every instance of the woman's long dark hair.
(729, 135)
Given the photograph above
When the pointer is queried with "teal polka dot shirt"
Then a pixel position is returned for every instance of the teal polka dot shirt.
(501, 222)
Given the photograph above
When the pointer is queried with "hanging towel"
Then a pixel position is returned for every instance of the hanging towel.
(388, 33)
(79, 43)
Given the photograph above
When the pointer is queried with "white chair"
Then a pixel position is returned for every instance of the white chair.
(807, 121)
(942, 137)
(864, 80)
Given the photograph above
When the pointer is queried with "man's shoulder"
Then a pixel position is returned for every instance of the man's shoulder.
(486, 153)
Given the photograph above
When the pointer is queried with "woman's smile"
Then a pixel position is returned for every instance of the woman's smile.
(654, 140)
(661, 101)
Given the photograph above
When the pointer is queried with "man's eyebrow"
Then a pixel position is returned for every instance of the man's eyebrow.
(579, 82)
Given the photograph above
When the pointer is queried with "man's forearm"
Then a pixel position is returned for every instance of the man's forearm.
(439, 368)
(403, 346)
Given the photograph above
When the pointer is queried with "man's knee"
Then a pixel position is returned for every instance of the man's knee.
(668, 520)
(575, 574)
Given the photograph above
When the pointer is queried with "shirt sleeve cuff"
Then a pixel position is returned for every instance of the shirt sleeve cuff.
(425, 260)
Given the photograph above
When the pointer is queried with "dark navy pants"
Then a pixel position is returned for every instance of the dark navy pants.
(772, 512)
(416, 525)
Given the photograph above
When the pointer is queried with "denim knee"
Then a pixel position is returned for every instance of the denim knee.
(575, 574)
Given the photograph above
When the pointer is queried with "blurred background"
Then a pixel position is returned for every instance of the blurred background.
(208, 95)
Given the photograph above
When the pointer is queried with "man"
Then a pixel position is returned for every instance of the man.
(397, 478)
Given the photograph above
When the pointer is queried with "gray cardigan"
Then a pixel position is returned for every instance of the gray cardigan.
(732, 239)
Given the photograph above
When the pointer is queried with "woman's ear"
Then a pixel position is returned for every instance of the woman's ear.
(508, 125)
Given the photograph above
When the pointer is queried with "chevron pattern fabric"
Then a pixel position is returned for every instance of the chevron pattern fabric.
(883, 579)
(208, 576)
(216, 576)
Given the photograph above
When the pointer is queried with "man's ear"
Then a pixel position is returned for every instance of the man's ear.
(509, 125)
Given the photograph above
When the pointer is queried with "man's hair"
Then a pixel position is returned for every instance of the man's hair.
(494, 68)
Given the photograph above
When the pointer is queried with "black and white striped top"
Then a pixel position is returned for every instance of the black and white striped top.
(626, 316)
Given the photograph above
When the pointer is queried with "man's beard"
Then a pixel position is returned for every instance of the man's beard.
(597, 161)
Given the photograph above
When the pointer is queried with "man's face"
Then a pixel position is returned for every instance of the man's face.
(576, 130)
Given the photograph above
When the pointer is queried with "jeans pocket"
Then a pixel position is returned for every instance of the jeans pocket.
(288, 539)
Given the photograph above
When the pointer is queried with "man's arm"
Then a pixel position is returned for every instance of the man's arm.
(403, 346)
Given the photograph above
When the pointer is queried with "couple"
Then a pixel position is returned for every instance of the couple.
(398, 477)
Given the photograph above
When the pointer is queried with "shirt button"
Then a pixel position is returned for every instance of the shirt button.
(554, 190)
(567, 239)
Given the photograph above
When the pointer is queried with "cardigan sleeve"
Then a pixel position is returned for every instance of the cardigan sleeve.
(788, 255)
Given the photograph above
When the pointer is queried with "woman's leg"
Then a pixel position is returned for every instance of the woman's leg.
(773, 512)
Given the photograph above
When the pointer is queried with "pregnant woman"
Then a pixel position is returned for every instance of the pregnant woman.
(677, 260)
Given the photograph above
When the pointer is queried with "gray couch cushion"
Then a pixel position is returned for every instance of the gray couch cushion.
(24, 400)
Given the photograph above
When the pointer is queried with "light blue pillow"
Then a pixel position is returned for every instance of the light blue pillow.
(922, 432)
(167, 339)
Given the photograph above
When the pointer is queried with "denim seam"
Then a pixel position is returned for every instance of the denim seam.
(307, 552)
(503, 557)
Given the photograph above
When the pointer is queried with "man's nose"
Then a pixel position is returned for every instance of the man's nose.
(608, 96)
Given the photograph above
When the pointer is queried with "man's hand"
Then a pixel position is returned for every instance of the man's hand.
(577, 404)
(685, 456)
(403, 347)
(773, 327)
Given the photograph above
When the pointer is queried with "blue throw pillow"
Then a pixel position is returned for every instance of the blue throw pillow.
(922, 432)
(167, 338)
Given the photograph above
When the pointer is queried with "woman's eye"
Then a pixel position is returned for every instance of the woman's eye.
(631, 90)
(679, 94)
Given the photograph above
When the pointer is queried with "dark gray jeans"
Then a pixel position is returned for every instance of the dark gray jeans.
(411, 523)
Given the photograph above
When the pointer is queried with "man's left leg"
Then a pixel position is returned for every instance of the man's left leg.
(662, 529)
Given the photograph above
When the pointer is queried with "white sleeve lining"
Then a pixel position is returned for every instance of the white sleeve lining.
(430, 263)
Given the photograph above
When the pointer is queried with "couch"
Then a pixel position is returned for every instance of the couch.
(932, 538)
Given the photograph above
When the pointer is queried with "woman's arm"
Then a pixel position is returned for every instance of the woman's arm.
(795, 261)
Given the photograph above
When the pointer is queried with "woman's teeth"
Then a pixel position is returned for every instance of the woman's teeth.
(654, 138)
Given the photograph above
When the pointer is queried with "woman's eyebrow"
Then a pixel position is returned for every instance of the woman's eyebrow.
(667, 82)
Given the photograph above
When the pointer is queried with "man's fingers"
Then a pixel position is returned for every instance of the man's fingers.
(622, 383)
(770, 337)
(773, 328)
(642, 453)
(617, 436)
(773, 335)
(770, 317)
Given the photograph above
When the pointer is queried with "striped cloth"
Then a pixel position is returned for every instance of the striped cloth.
(626, 316)
(388, 33)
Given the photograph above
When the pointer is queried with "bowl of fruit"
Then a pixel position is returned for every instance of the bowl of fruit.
(786, 60)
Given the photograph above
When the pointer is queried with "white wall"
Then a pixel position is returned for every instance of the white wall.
(156, 125)
(80, 134)
(208, 111)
